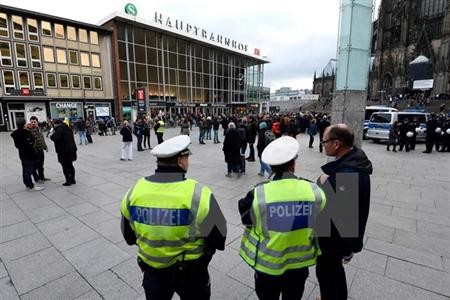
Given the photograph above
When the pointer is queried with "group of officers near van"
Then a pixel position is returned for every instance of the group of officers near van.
(290, 223)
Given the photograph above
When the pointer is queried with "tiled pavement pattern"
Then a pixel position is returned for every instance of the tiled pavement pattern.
(65, 242)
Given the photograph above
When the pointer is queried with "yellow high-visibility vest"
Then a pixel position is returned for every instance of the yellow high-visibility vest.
(282, 236)
(161, 127)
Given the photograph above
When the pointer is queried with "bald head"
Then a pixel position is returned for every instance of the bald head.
(343, 133)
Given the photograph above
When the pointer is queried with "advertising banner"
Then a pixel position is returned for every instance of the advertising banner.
(35, 109)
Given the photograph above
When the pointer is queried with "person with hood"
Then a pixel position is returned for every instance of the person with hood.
(252, 131)
(312, 131)
(323, 124)
(265, 137)
(24, 142)
(232, 150)
(39, 146)
(66, 149)
(341, 226)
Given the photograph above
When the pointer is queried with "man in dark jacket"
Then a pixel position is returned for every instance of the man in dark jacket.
(39, 146)
(66, 149)
(24, 142)
(324, 123)
(431, 137)
(232, 150)
(342, 224)
(252, 131)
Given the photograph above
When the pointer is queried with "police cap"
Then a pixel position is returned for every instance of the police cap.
(280, 151)
(172, 147)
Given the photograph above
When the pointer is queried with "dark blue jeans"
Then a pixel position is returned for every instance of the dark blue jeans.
(27, 172)
(233, 167)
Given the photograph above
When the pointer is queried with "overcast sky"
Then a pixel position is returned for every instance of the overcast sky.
(297, 36)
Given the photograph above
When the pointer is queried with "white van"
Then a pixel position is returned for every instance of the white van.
(381, 122)
(370, 110)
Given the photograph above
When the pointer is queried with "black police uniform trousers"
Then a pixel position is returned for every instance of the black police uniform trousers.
(189, 279)
(290, 285)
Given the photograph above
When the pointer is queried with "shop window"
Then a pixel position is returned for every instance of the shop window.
(35, 53)
(59, 31)
(4, 30)
(24, 79)
(5, 54)
(8, 81)
(32, 30)
(82, 35)
(48, 54)
(46, 28)
(84, 59)
(73, 57)
(38, 81)
(71, 33)
(51, 80)
(21, 55)
(94, 37)
(17, 27)
(61, 57)
(76, 84)
(87, 84)
(98, 83)
(64, 81)
(95, 59)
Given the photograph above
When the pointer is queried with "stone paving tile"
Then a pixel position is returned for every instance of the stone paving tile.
(370, 261)
(7, 205)
(58, 224)
(7, 290)
(96, 217)
(16, 231)
(110, 230)
(3, 272)
(113, 209)
(379, 232)
(422, 242)
(91, 295)
(393, 221)
(44, 213)
(447, 264)
(225, 261)
(110, 286)
(130, 273)
(82, 209)
(48, 263)
(400, 252)
(381, 208)
(392, 203)
(224, 287)
(412, 214)
(12, 216)
(69, 286)
(23, 246)
(95, 257)
(25, 201)
(374, 286)
(435, 211)
(72, 236)
(426, 278)
(243, 273)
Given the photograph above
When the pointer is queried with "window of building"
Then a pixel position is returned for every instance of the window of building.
(73, 57)
(64, 81)
(32, 30)
(61, 57)
(51, 80)
(98, 83)
(95, 58)
(432, 7)
(8, 81)
(71, 33)
(17, 27)
(82, 35)
(48, 54)
(76, 84)
(87, 82)
(5, 54)
(59, 31)
(46, 28)
(24, 79)
(84, 59)
(35, 53)
(94, 37)
(38, 81)
(21, 55)
(4, 31)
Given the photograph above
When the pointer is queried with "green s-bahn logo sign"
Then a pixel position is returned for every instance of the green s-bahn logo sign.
(131, 9)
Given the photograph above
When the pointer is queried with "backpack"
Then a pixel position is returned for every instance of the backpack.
(268, 137)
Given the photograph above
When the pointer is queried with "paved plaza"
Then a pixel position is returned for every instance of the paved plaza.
(65, 242)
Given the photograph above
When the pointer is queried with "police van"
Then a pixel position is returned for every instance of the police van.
(381, 122)
(370, 110)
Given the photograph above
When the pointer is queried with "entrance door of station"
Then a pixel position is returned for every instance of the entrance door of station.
(14, 115)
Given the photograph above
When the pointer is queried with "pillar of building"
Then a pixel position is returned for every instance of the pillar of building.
(352, 71)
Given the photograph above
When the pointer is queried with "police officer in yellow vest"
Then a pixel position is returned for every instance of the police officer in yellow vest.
(159, 130)
(279, 215)
(176, 224)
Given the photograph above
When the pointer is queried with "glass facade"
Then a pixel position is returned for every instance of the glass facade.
(183, 72)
